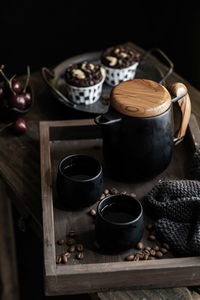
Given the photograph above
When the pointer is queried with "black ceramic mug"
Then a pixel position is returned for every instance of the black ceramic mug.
(79, 181)
(119, 222)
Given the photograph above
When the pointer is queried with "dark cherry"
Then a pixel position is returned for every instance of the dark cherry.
(20, 126)
(27, 97)
(17, 101)
(16, 86)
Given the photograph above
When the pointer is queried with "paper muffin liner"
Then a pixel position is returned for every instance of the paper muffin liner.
(85, 95)
(115, 76)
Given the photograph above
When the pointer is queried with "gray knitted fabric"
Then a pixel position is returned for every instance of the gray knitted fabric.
(176, 205)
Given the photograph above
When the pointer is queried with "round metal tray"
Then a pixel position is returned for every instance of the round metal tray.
(147, 69)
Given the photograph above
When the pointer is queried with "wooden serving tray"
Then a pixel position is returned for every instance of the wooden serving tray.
(98, 270)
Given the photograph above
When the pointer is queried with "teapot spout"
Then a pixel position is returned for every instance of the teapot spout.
(107, 119)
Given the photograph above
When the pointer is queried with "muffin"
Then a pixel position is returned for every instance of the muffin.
(120, 63)
(84, 82)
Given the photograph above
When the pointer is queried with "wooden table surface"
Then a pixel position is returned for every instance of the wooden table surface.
(20, 155)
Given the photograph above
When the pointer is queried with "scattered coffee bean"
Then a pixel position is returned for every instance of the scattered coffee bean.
(80, 255)
(140, 246)
(152, 252)
(71, 242)
(61, 242)
(146, 256)
(64, 259)
(79, 247)
(140, 254)
(123, 193)
(165, 245)
(114, 191)
(130, 257)
(136, 258)
(151, 257)
(93, 212)
(133, 195)
(106, 192)
(147, 248)
(163, 250)
(72, 248)
(156, 247)
(102, 197)
(67, 254)
(72, 233)
(159, 254)
(147, 251)
(58, 259)
(149, 226)
(152, 237)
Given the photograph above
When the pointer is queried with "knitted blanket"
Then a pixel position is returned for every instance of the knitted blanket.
(176, 205)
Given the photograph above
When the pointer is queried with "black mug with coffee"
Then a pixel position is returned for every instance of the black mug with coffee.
(79, 181)
(119, 223)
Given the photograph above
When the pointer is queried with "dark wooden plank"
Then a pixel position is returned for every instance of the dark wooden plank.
(97, 270)
(9, 288)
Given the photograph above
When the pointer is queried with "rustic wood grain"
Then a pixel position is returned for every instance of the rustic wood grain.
(9, 288)
(140, 98)
(98, 268)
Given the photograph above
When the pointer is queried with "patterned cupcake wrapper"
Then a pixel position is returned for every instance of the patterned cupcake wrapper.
(115, 76)
(85, 95)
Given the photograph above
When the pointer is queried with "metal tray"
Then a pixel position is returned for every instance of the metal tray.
(148, 68)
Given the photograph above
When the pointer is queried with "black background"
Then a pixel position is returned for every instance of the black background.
(45, 33)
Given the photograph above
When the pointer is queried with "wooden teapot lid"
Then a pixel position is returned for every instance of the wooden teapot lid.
(140, 98)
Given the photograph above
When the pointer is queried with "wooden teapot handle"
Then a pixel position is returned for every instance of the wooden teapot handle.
(178, 89)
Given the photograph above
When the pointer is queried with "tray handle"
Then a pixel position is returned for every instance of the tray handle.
(48, 75)
(164, 57)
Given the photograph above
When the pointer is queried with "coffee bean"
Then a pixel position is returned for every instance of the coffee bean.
(61, 242)
(156, 247)
(133, 195)
(130, 257)
(72, 248)
(72, 233)
(149, 226)
(58, 259)
(64, 259)
(106, 192)
(147, 248)
(163, 250)
(146, 256)
(93, 212)
(80, 255)
(71, 242)
(140, 254)
(114, 191)
(67, 254)
(152, 252)
(136, 258)
(102, 197)
(123, 193)
(147, 251)
(165, 245)
(140, 246)
(152, 237)
(151, 257)
(79, 247)
(159, 254)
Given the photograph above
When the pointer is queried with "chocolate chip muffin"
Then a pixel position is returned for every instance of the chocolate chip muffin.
(120, 63)
(84, 82)
(83, 74)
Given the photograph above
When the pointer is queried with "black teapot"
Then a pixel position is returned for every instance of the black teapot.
(138, 129)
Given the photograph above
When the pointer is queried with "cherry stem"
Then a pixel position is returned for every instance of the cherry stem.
(4, 127)
(27, 79)
(6, 78)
